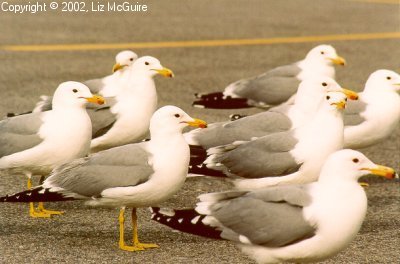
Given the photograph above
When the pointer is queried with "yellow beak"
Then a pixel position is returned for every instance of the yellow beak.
(197, 123)
(340, 105)
(96, 99)
(165, 72)
(383, 171)
(118, 67)
(350, 94)
(339, 61)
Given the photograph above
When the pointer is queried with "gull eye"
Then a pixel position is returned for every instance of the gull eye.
(75, 90)
(147, 63)
(131, 59)
(328, 97)
(322, 53)
(177, 115)
(324, 84)
(355, 160)
(388, 78)
(345, 99)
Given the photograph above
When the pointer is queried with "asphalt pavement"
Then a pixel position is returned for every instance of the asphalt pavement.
(88, 235)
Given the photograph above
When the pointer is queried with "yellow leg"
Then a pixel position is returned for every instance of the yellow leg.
(32, 211)
(29, 183)
(135, 233)
(122, 245)
(41, 208)
(50, 212)
(137, 246)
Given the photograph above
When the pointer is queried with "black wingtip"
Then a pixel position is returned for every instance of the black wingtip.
(235, 117)
(15, 114)
(198, 155)
(186, 220)
(220, 101)
(38, 194)
(201, 169)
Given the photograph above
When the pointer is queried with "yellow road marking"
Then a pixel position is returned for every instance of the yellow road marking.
(201, 43)
(393, 2)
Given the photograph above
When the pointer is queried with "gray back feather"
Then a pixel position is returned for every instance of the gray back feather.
(45, 104)
(19, 133)
(353, 119)
(118, 167)
(102, 117)
(95, 85)
(269, 157)
(273, 87)
(271, 217)
(355, 107)
(257, 125)
(352, 115)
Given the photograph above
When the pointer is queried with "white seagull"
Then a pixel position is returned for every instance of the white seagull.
(297, 223)
(107, 86)
(275, 86)
(289, 223)
(294, 156)
(277, 119)
(135, 175)
(126, 117)
(33, 144)
(375, 116)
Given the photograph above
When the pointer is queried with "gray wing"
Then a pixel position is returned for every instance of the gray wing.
(271, 217)
(263, 157)
(273, 87)
(20, 133)
(352, 115)
(245, 128)
(118, 167)
(44, 104)
(102, 117)
(95, 85)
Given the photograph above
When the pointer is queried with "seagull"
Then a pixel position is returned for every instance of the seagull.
(33, 144)
(124, 59)
(294, 156)
(375, 116)
(289, 223)
(109, 86)
(134, 175)
(276, 119)
(106, 86)
(126, 117)
(275, 86)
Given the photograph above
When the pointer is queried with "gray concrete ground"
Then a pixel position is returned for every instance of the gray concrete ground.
(87, 235)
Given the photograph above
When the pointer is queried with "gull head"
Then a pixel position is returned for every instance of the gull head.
(74, 94)
(383, 81)
(348, 164)
(151, 66)
(325, 54)
(335, 101)
(124, 59)
(317, 87)
(173, 119)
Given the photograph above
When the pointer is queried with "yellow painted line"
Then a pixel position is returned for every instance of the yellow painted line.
(201, 43)
(393, 2)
